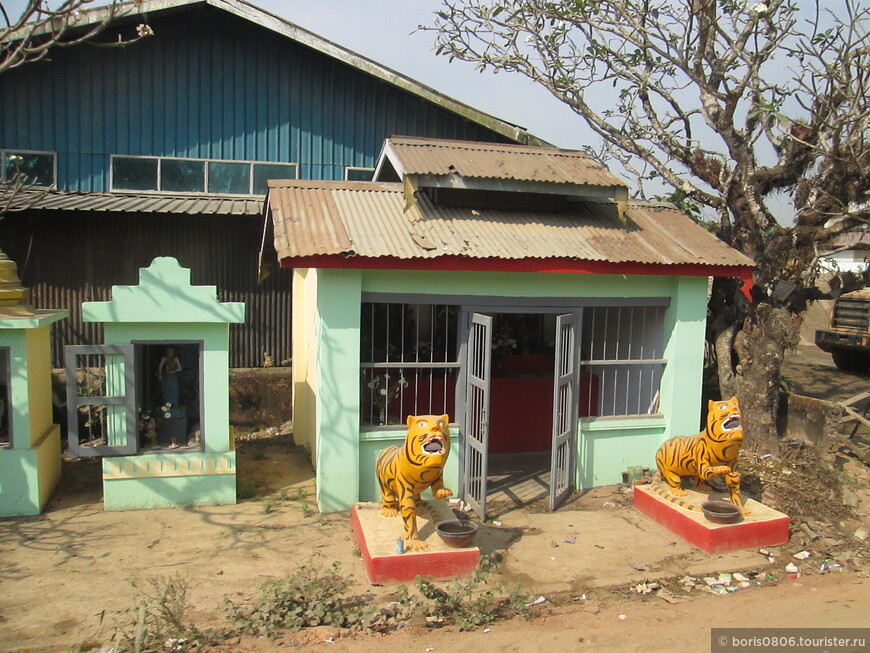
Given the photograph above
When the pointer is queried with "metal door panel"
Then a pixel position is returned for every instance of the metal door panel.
(476, 422)
(566, 385)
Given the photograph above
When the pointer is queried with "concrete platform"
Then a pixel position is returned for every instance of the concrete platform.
(763, 527)
(376, 537)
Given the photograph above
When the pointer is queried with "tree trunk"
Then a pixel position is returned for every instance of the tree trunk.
(760, 345)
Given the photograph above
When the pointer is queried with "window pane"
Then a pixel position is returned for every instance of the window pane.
(38, 169)
(264, 171)
(5, 396)
(390, 395)
(232, 178)
(359, 174)
(134, 174)
(182, 175)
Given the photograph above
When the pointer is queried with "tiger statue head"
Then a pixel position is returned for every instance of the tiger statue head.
(724, 422)
(427, 442)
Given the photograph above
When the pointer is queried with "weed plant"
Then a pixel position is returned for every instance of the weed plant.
(159, 618)
(462, 603)
(311, 596)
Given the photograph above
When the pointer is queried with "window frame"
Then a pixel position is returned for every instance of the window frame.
(204, 192)
(7, 351)
(402, 367)
(657, 364)
(347, 170)
(6, 151)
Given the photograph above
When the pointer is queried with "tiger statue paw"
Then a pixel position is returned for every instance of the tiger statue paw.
(404, 472)
(712, 452)
(415, 545)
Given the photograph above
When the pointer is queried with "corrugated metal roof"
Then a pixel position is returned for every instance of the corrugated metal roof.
(137, 203)
(432, 156)
(367, 219)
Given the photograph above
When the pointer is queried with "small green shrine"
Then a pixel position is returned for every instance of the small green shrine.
(29, 440)
(158, 412)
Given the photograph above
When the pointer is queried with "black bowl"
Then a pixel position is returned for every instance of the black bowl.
(456, 533)
(721, 512)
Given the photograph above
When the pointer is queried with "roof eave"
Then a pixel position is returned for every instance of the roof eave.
(539, 265)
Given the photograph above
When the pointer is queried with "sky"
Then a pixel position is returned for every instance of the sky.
(386, 31)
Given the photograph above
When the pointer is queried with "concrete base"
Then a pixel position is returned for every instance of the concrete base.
(376, 537)
(763, 527)
(28, 476)
(169, 480)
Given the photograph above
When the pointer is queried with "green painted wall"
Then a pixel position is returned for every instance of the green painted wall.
(169, 492)
(605, 447)
(518, 284)
(30, 468)
(338, 388)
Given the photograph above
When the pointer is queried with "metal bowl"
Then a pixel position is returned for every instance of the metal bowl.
(721, 512)
(456, 533)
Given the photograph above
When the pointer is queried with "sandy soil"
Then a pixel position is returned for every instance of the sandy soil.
(67, 577)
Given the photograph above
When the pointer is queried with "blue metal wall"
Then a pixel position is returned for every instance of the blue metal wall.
(209, 85)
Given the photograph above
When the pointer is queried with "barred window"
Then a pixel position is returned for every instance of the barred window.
(622, 357)
(409, 361)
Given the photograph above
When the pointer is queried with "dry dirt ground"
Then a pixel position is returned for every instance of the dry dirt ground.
(69, 578)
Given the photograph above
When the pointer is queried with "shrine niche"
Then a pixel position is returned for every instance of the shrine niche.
(153, 400)
(29, 438)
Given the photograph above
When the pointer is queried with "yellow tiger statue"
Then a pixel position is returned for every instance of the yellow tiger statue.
(712, 452)
(405, 472)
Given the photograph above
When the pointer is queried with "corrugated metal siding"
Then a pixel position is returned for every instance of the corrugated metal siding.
(420, 156)
(376, 224)
(209, 85)
(66, 262)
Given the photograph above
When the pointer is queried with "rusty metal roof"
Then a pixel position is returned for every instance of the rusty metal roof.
(433, 156)
(367, 219)
(56, 200)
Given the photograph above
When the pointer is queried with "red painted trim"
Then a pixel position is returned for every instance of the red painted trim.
(558, 266)
(441, 565)
(712, 538)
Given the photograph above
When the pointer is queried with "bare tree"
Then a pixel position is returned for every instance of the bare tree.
(728, 103)
(41, 27)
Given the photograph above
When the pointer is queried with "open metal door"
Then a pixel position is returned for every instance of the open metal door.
(101, 400)
(476, 424)
(565, 408)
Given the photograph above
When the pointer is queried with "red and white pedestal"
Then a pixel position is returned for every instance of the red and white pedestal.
(376, 537)
(763, 527)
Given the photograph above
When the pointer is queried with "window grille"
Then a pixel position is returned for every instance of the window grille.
(622, 359)
(409, 361)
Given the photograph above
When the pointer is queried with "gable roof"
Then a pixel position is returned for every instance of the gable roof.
(473, 160)
(141, 9)
(367, 219)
